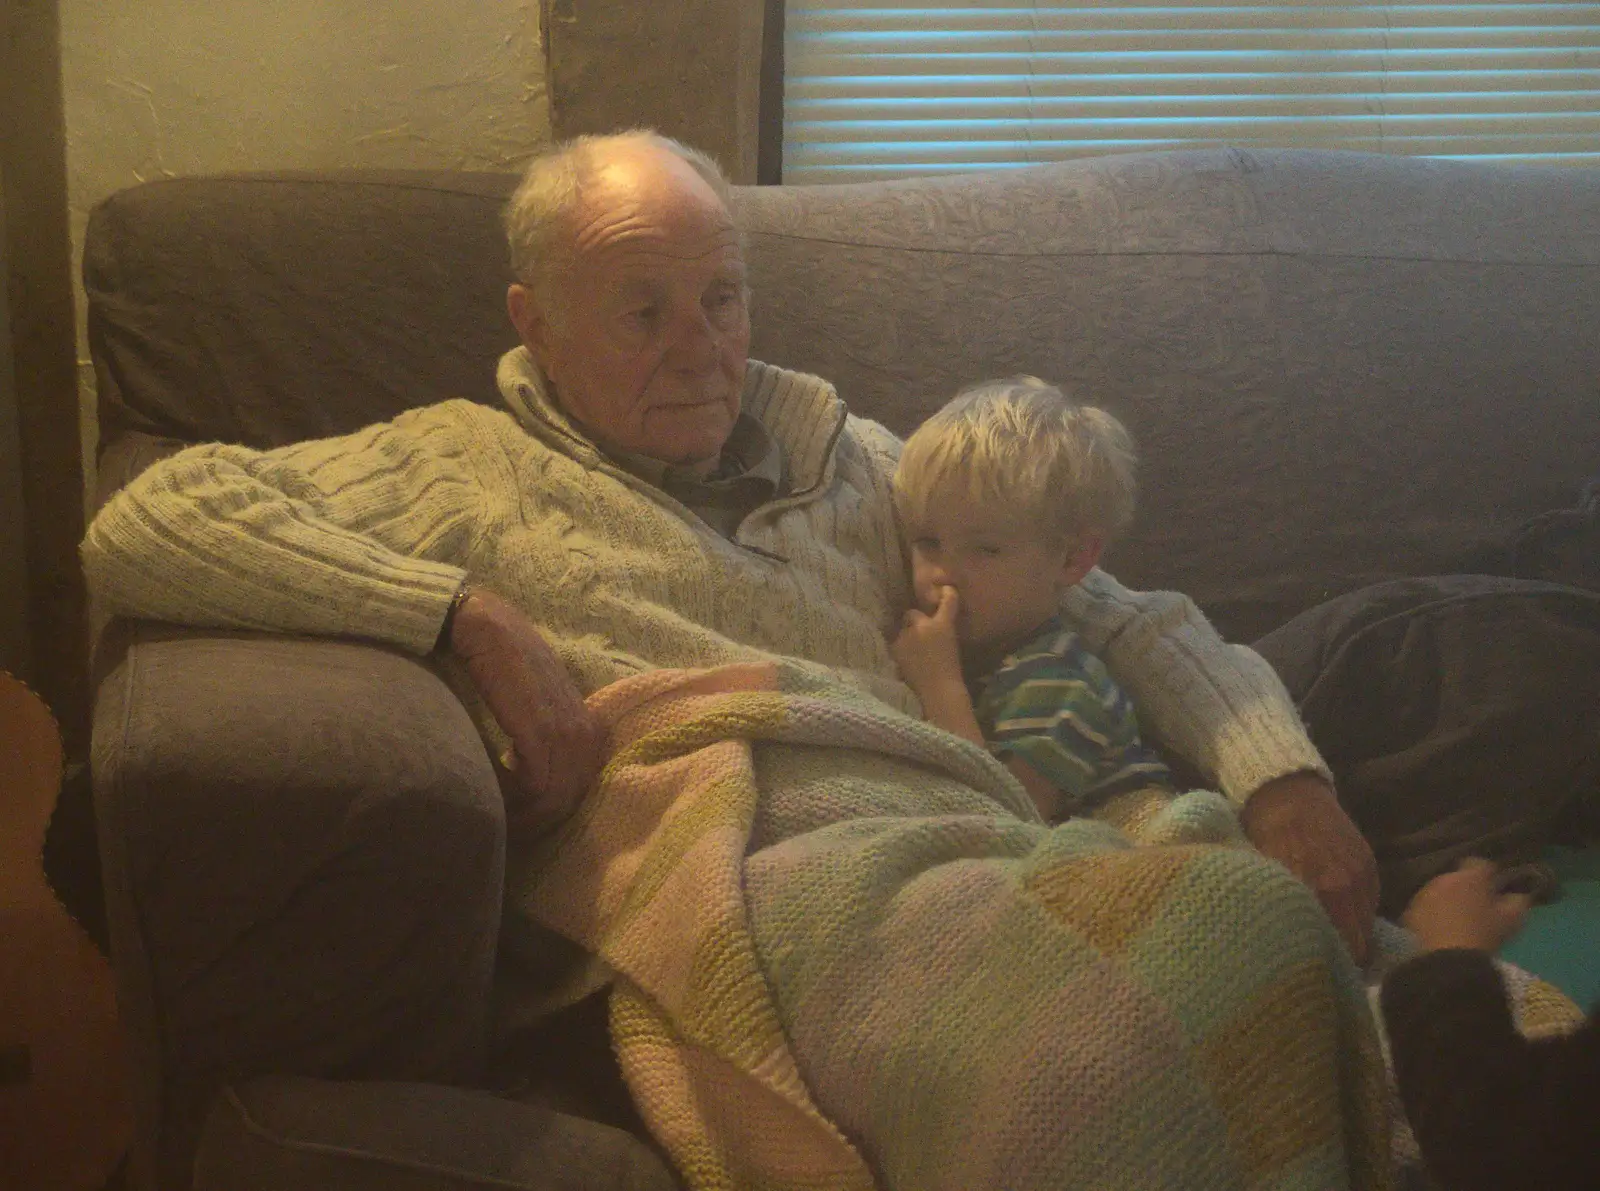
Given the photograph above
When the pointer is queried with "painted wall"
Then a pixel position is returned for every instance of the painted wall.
(158, 88)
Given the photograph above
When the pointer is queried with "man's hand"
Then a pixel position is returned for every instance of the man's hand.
(557, 743)
(1297, 820)
(1465, 908)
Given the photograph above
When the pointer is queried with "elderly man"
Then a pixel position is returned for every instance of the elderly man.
(649, 499)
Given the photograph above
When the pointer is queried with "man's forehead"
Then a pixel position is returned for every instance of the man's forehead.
(646, 255)
(663, 207)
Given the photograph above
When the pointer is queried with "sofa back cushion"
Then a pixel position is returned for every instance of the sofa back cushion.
(269, 308)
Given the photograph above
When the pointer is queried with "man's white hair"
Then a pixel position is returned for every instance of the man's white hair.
(542, 212)
(1025, 449)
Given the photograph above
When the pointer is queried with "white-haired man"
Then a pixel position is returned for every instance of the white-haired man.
(650, 498)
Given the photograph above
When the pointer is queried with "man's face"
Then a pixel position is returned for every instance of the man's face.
(648, 348)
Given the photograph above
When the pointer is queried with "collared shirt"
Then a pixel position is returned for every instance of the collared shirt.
(749, 473)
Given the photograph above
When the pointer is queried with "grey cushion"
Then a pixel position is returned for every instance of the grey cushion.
(281, 1134)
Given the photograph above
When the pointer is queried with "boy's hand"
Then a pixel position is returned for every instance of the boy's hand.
(1466, 909)
(926, 650)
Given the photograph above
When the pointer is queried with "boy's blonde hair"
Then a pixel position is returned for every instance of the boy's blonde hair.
(1024, 447)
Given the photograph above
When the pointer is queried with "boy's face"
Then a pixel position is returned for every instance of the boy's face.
(1010, 580)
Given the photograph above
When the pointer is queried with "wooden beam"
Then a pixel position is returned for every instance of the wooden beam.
(688, 68)
(38, 255)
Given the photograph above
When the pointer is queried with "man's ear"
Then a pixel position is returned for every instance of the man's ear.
(1082, 558)
(529, 320)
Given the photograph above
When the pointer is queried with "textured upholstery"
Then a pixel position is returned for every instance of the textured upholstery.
(265, 309)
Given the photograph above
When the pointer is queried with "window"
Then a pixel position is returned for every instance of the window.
(894, 88)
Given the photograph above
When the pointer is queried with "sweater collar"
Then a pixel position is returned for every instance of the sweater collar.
(802, 413)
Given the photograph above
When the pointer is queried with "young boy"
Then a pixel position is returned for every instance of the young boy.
(1008, 495)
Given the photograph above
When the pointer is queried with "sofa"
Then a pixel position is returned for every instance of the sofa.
(1346, 373)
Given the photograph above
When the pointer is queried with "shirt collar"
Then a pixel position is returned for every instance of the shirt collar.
(749, 452)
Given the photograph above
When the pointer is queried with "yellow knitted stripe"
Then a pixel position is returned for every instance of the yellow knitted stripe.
(1252, 1086)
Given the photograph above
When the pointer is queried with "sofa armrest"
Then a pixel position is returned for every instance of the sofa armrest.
(303, 846)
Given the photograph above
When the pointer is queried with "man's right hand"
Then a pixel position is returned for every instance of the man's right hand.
(557, 743)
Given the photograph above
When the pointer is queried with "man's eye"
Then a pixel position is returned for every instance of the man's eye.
(926, 545)
(723, 299)
(989, 551)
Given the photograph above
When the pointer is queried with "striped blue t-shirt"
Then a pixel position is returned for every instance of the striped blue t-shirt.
(1054, 704)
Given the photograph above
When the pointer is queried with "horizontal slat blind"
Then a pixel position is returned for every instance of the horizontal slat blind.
(900, 88)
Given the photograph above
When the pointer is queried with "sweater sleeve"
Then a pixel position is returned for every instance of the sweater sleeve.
(1220, 706)
(1490, 1108)
(364, 535)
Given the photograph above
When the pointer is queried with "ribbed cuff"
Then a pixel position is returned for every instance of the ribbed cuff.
(1258, 747)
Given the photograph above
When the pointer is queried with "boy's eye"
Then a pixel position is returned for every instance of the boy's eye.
(925, 544)
(989, 551)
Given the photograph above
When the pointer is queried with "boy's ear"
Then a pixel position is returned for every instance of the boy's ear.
(1082, 558)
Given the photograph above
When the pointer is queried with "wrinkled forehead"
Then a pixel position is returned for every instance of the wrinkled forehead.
(658, 214)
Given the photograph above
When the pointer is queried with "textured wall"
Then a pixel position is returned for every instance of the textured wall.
(155, 88)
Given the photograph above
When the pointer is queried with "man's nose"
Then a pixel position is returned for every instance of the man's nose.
(694, 338)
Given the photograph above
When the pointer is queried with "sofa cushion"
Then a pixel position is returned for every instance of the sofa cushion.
(288, 1134)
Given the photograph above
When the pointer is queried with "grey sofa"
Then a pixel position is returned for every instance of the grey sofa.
(1341, 369)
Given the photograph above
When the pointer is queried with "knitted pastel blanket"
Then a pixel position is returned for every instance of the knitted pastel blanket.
(847, 955)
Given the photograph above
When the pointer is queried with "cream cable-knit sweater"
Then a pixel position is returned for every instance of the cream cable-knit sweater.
(369, 535)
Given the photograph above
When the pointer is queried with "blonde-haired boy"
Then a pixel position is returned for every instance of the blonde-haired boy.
(1008, 495)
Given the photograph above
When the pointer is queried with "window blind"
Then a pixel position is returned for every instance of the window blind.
(896, 88)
